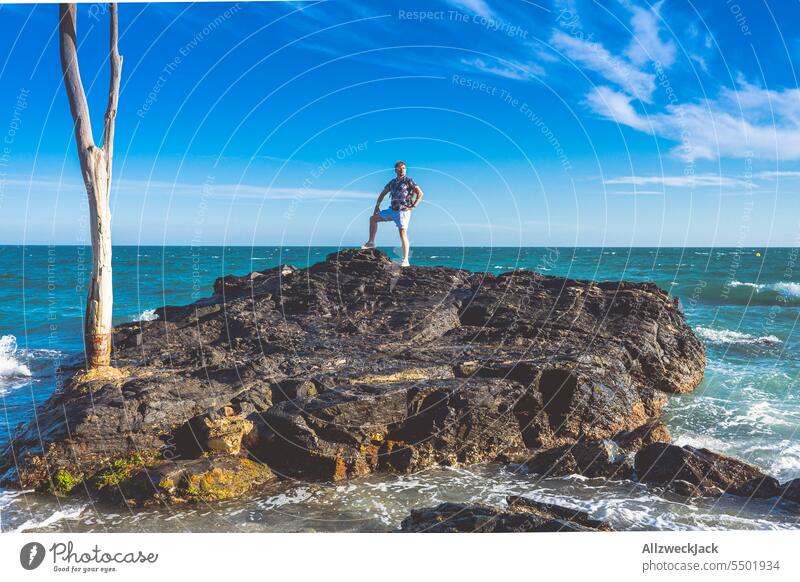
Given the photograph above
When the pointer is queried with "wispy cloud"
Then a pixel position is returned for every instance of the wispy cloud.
(479, 7)
(646, 44)
(124, 187)
(507, 69)
(752, 123)
(595, 57)
(616, 106)
(746, 121)
(680, 181)
(778, 174)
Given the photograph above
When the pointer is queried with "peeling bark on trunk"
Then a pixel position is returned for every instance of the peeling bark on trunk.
(96, 165)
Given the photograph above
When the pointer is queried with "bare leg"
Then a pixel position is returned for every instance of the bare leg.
(404, 241)
(373, 228)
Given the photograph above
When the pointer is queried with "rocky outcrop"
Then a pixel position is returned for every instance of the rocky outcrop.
(355, 365)
(521, 515)
(694, 471)
(593, 458)
(214, 478)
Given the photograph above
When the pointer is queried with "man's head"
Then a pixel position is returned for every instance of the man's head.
(400, 168)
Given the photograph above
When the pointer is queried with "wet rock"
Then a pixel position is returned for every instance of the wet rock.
(653, 431)
(521, 515)
(354, 365)
(552, 511)
(208, 479)
(593, 458)
(791, 490)
(694, 471)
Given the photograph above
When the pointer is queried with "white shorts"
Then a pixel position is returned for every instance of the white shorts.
(400, 217)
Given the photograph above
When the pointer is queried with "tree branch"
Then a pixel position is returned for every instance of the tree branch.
(72, 79)
(115, 61)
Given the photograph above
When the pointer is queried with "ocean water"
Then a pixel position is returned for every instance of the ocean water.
(743, 303)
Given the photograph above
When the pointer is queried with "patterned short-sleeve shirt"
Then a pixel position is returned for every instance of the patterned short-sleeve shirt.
(403, 191)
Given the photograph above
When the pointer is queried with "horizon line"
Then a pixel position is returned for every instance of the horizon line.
(357, 246)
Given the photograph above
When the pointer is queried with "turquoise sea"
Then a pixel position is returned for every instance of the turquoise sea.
(744, 303)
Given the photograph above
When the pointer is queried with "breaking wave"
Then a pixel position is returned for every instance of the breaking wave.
(146, 315)
(729, 337)
(10, 367)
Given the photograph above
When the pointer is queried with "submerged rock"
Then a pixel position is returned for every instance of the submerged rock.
(355, 365)
(521, 515)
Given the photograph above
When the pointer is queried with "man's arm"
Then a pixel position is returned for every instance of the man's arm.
(419, 196)
(380, 199)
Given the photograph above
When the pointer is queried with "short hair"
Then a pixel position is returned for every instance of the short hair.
(399, 163)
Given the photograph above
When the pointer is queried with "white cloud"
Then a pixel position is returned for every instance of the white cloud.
(616, 106)
(239, 191)
(597, 58)
(646, 44)
(164, 188)
(515, 70)
(778, 174)
(479, 7)
(748, 123)
(637, 192)
(681, 181)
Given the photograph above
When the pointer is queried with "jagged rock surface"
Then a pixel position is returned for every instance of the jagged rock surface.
(354, 365)
(694, 471)
(521, 515)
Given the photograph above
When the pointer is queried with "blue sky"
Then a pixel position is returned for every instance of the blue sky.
(536, 123)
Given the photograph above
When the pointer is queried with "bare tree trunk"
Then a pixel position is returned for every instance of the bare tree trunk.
(96, 169)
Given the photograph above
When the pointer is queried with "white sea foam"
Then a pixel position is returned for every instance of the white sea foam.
(41, 516)
(786, 465)
(66, 512)
(146, 315)
(765, 413)
(10, 367)
(727, 336)
(701, 441)
(786, 289)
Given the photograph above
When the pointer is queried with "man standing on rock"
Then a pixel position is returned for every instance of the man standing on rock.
(405, 196)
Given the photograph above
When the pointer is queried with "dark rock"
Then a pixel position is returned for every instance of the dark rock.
(653, 431)
(403, 426)
(694, 471)
(521, 515)
(551, 511)
(791, 490)
(593, 458)
(292, 388)
(354, 365)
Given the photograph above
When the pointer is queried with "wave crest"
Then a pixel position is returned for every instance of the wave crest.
(146, 315)
(10, 367)
(730, 337)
